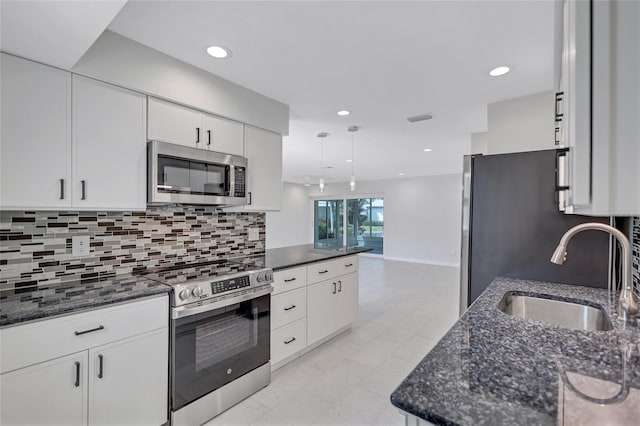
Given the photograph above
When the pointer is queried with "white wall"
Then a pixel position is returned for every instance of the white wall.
(522, 124)
(421, 215)
(479, 143)
(290, 226)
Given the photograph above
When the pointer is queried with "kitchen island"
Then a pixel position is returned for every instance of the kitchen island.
(288, 257)
(493, 368)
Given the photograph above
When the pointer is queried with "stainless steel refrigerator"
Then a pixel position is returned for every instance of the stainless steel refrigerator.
(511, 225)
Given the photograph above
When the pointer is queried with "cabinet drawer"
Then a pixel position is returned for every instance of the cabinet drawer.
(322, 271)
(289, 279)
(288, 307)
(288, 340)
(28, 344)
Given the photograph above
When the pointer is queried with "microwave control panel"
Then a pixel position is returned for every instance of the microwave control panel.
(240, 178)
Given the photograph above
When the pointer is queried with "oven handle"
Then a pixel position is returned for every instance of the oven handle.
(187, 311)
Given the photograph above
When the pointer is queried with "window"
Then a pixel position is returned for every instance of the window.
(364, 219)
(328, 223)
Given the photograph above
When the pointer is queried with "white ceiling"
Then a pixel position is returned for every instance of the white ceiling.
(54, 32)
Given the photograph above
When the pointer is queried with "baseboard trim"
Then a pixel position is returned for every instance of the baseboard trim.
(424, 261)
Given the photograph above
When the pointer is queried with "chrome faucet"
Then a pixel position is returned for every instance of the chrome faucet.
(627, 305)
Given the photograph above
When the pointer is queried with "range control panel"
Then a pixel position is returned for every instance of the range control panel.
(230, 284)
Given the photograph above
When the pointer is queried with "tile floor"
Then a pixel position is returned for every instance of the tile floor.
(404, 310)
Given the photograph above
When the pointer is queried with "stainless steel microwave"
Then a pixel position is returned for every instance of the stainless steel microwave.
(184, 175)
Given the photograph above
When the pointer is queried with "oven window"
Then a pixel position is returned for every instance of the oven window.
(191, 177)
(213, 348)
(225, 336)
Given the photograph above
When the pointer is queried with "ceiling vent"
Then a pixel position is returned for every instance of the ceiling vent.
(419, 118)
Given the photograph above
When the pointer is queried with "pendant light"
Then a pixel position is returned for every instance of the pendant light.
(352, 181)
(322, 135)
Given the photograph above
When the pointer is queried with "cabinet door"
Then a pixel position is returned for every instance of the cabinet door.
(109, 146)
(223, 135)
(321, 307)
(347, 300)
(35, 141)
(263, 149)
(49, 393)
(175, 124)
(129, 381)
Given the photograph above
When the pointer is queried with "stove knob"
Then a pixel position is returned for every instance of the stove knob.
(197, 292)
(184, 294)
(269, 276)
(260, 277)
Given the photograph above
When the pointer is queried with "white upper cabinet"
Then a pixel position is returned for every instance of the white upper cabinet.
(601, 114)
(223, 135)
(109, 146)
(263, 150)
(35, 141)
(173, 123)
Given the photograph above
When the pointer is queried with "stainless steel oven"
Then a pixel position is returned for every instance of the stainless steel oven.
(185, 175)
(220, 337)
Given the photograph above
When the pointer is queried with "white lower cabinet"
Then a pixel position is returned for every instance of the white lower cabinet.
(288, 340)
(331, 305)
(121, 381)
(306, 310)
(49, 393)
(125, 385)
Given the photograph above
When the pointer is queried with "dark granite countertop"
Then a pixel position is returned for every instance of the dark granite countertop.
(492, 368)
(287, 257)
(26, 304)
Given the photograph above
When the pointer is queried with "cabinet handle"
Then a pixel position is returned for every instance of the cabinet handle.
(348, 265)
(197, 134)
(78, 333)
(339, 286)
(83, 186)
(62, 189)
(100, 366)
(556, 138)
(249, 198)
(559, 98)
(334, 288)
(323, 272)
(209, 137)
(293, 339)
(290, 279)
(288, 308)
(77, 382)
(562, 152)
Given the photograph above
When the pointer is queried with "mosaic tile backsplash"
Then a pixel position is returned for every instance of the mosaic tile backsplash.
(636, 253)
(35, 247)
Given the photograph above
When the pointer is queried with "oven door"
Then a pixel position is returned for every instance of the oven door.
(213, 348)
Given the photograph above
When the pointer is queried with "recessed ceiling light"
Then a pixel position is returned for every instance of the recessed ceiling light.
(218, 52)
(344, 112)
(499, 71)
(349, 161)
(428, 149)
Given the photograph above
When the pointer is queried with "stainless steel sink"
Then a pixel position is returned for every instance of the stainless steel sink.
(564, 314)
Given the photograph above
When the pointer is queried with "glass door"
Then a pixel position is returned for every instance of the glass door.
(365, 223)
(328, 223)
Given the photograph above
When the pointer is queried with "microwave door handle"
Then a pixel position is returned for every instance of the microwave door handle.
(227, 181)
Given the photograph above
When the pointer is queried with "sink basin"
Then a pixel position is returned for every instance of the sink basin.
(564, 314)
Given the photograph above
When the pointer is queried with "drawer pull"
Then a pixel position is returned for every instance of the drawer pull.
(78, 333)
(77, 382)
(323, 272)
(290, 279)
(348, 265)
(100, 366)
(288, 308)
(286, 342)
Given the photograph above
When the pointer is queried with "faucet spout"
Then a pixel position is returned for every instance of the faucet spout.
(627, 305)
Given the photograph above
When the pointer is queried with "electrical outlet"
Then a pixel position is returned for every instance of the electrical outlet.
(80, 245)
(253, 234)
